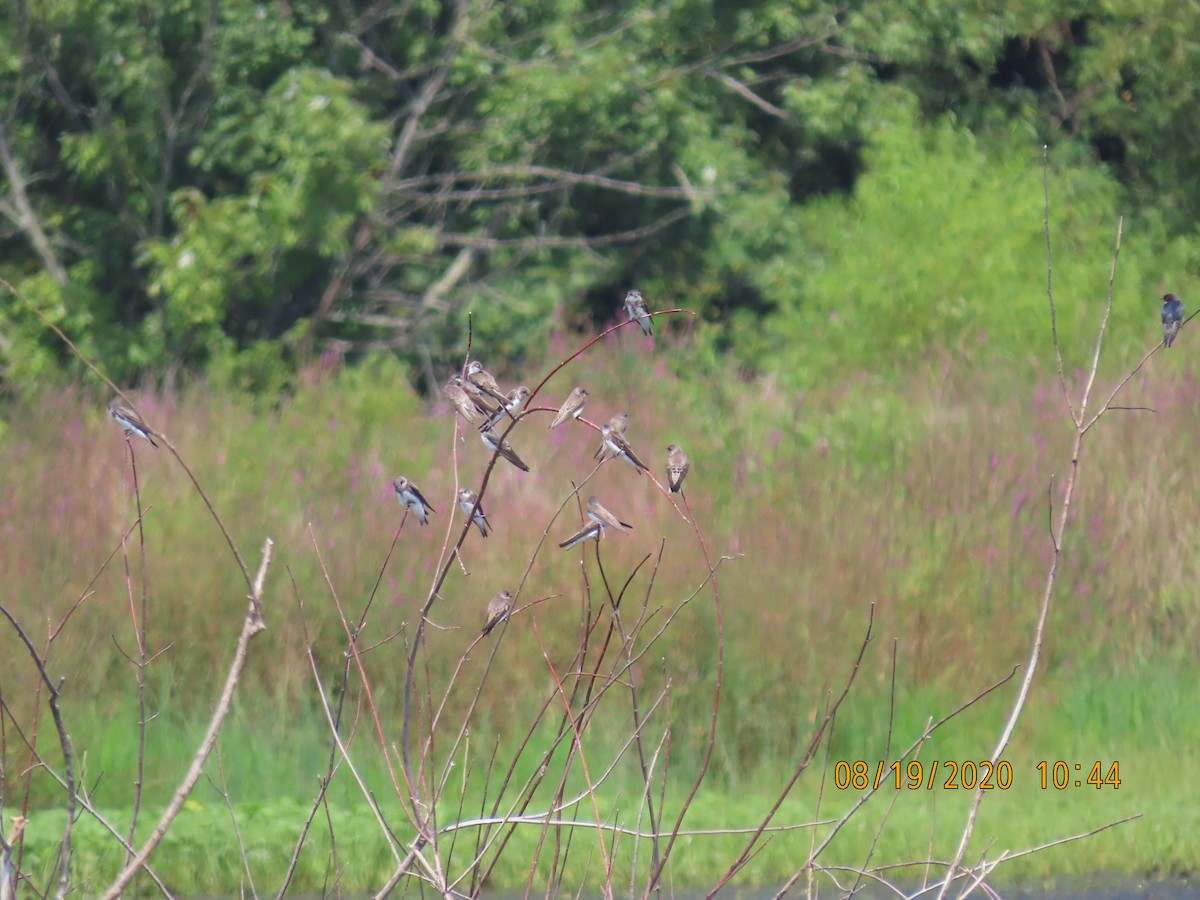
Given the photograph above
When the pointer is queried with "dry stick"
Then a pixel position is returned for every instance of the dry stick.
(64, 740)
(353, 644)
(887, 754)
(712, 728)
(140, 635)
(800, 769)
(223, 793)
(82, 799)
(912, 749)
(406, 723)
(448, 562)
(647, 787)
(334, 757)
(578, 745)
(362, 785)
(1056, 542)
(252, 625)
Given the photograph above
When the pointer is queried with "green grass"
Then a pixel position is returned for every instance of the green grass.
(929, 503)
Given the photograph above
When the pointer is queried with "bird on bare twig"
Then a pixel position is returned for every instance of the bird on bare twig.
(128, 418)
(513, 405)
(635, 306)
(491, 440)
(498, 609)
(466, 502)
(1172, 317)
(677, 468)
(572, 407)
(410, 497)
(482, 379)
(601, 516)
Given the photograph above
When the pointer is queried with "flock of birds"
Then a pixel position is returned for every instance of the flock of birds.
(478, 399)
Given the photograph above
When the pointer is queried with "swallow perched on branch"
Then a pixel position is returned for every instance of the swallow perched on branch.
(482, 379)
(491, 440)
(677, 468)
(498, 609)
(1172, 317)
(572, 407)
(635, 306)
(601, 516)
(410, 497)
(467, 499)
(128, 418)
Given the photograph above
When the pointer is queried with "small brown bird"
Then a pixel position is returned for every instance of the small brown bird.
(498, 609)
(129, 419)
(677, 468)
(466, 502)
(472, 409)
(482, 379)
(635, 308)
(598, 514)
(616, 425)
(590, 532)
(491, 440)
(572, 407)
(617, 446)
(515, 402)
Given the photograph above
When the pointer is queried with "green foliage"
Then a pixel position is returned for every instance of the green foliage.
(941, 250)
(228, 190)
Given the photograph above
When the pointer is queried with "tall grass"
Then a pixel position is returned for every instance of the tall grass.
(929, 502)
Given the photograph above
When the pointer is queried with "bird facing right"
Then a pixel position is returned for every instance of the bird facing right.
(1172, 317)
(498, 609)
(128, 419)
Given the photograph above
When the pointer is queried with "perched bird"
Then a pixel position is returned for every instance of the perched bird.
(572, 407)
(598, 514)
(498, 609)
(491, 440)
(1172, 317)
(513, 405)
(616, 425)
(482, 379)
(128, 419)
(615, 443)
(677, 468)
(590, 532)
(635, 306)
(467, 499)
(469, 407)
(410, 497)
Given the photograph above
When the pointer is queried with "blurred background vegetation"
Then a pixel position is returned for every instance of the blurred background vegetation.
(229, 188)
(274, 218)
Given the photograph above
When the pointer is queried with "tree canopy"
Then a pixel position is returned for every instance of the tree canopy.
(229, 186)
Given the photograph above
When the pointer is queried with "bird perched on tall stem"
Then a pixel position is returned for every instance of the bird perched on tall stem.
(601, 516)
(516, 400)
(467, 499)
(498, 609)
(1172, 317)
(572, 407)
(482, 379)
(410, 497)
(127, 417)
(491, 440)
(635, 307)
(677, 468)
